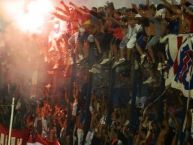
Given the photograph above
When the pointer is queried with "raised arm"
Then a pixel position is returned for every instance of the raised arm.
(65, 6)
(85, 8)
(173, 17)
(61, 17)
(171, 7)
(141, 12)
(62, 10)
(78, 8)
(188, 10)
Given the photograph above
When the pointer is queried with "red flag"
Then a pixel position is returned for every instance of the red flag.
(39, 140)
(18, 137)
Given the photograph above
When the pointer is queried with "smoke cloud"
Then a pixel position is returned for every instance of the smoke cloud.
(21, 53)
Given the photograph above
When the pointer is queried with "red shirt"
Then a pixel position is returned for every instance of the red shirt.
(117, 33)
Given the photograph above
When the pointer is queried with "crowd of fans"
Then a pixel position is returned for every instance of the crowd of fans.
(106, 76)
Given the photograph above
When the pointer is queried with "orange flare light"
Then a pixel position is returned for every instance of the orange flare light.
(30, 16)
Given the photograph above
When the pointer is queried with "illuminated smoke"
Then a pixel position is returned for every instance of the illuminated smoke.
(31, 15)
(21, 52)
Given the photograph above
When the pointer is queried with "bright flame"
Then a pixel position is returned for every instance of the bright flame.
(31, 16)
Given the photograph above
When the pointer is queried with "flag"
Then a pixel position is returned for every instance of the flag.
(22, 137)
(179, 56)
(39, 140)
(173, 43)
(18, 137)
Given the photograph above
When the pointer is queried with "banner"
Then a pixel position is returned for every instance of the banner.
(17, 137)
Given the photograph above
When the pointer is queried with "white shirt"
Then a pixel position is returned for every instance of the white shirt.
(132, 31)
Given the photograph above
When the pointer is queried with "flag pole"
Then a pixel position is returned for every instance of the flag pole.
(11, 121)
(188, 102)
